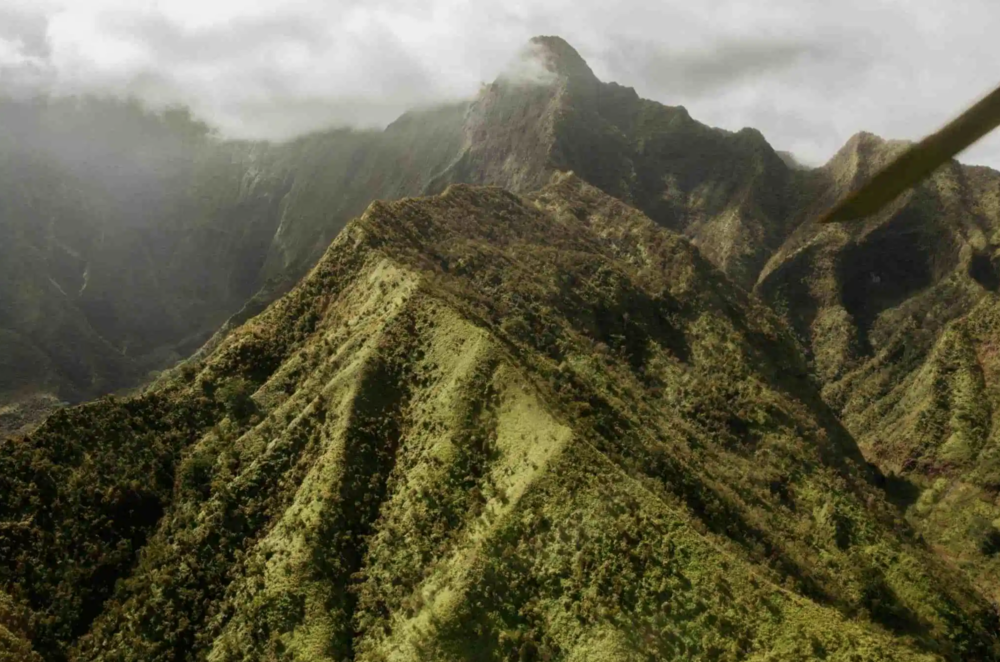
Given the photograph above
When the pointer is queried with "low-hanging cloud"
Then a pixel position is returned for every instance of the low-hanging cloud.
(706, 70)
(807, 74)
(529, 67)
(26, 29)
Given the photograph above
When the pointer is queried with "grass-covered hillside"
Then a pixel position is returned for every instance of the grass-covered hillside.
(899, 317)
(446, 439)
(129, 236)
(484, 427)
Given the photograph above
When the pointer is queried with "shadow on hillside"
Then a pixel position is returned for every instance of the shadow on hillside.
(900, 491)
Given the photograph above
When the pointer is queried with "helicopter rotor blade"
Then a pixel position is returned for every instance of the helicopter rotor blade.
(918, 161)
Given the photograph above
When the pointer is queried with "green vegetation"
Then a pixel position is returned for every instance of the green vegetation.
(128, 237)
(900, 316)
(487, 426)
(482, 427)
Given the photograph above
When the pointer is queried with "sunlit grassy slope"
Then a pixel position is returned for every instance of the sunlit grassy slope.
(484, 427)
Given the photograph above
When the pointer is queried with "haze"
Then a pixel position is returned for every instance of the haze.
(807, 74)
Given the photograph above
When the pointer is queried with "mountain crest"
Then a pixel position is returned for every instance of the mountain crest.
(862, 155)
(560, 58)
(472, 394)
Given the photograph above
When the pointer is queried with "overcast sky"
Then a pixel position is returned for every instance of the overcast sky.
(807, 73)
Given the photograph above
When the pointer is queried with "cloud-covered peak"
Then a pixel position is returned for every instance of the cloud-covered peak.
(561, 58)
(544, 60)
(807, 75)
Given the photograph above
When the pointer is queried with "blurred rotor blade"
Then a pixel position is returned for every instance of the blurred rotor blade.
(918, 161)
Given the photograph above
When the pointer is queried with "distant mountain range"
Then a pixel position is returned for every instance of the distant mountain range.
(604, 391)
(130, 238)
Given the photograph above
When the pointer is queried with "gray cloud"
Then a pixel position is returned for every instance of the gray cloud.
(174, 43)
(26, 28)
(704, 71)
(807, 73)
(244, 75)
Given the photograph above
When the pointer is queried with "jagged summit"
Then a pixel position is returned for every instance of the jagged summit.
(862, 155)
(230, 223)
(560, 57)
(726, 190)
(860, 142)
(854, 163)
(865, 138)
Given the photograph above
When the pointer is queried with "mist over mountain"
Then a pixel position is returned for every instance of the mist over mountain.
(146, 257)
(163, 231)
(98, 199)
(807, 75)
(557, 372)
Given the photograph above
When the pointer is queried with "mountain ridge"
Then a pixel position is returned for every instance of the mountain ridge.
(440, 418)
(175, 269)
(808, 409)
(893, 312)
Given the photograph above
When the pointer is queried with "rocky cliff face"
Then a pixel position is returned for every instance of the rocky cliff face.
(730, 192)
(159, 232)
(483, 426)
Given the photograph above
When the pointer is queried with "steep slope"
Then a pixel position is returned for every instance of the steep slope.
(89, 300)
(128, 237)
(143, 233)
(46, 344)
(483, 427)
(898, 313)
(727, 191)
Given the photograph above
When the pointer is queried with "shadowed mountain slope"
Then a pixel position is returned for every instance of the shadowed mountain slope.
(482, 427)
(132, 236)
(727, 191)
(128, 237)
(899, 315)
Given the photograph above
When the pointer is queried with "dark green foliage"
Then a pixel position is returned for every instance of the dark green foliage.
(196, 472)
(580, 451)
(496, 428)
(235, 398)
(78, 508)
(990, 543)
(884, 606)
